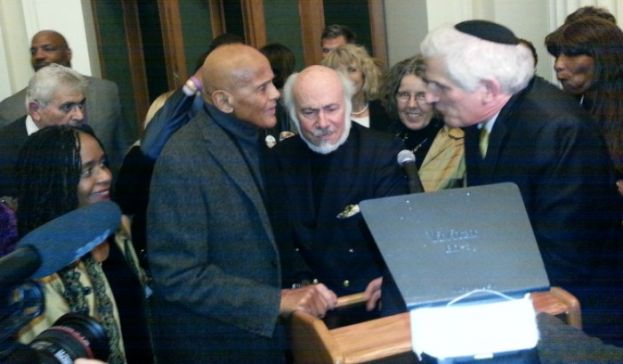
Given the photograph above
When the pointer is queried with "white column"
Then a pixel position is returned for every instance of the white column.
(15, 69)
(5, 85)
(20, 20)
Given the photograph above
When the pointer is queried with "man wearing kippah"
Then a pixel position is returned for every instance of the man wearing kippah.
(521, 129)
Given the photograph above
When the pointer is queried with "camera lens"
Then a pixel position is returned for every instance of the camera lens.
(72, 336)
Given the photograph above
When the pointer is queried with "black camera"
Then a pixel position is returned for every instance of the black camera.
(72, 336)
(39, 253)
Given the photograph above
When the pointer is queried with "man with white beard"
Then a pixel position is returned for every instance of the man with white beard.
(315, 182)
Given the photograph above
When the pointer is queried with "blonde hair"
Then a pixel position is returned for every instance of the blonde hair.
(353, 54)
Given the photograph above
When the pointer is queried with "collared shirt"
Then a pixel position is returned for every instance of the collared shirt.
(31, 127)
(489, 123)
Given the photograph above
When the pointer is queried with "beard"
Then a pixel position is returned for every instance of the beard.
(328, 147)
(39, 65)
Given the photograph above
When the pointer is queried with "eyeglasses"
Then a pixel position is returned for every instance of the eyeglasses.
(405, 96)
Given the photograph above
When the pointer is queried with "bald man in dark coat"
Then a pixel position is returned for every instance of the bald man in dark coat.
(215, 266)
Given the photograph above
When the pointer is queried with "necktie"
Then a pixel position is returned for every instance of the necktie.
(484, 142)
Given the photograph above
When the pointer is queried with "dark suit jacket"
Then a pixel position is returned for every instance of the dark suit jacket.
(12, 137)
(379, 119)
(551, 149)
(211, 251)
(308, 190)
(103, 115)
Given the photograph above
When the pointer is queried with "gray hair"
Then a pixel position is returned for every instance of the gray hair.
(288, 97)
(48, 79)
(469, 59)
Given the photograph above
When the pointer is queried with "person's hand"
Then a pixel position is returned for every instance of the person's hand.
(194, 84)
(373, 293)
(315, 299)
(620, 186)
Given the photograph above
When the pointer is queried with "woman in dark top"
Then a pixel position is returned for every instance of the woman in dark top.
(62, 168)
(589, 65)
(438, 149)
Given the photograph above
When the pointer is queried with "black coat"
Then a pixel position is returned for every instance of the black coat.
(214, 261)
(550, 148)
(12, 137)
(379, 119)
(545, 143)
(307, 191)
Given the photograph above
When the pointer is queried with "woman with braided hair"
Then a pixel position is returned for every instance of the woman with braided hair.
(62, 168)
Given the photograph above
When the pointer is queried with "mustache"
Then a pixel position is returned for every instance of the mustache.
(41, 64)
(320, 132)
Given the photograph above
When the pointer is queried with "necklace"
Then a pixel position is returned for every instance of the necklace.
(357, 113)
(404, 136)
(417, 147)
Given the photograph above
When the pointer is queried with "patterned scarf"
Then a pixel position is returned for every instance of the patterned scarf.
(75, 295)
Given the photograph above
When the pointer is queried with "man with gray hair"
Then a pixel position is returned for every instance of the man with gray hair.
(55, 96)
(103, 105)
(316, 180)
(521, 129)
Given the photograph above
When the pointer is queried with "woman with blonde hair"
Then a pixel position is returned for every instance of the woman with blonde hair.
(365, 74)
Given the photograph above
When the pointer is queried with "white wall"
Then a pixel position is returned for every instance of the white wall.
(5, 86)
(408, 21)
(15, 60)
(404, 33)
(20, 20)
(528, 19)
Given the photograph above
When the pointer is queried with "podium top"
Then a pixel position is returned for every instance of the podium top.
(440, 245)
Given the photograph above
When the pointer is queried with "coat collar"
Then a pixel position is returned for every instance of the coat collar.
(503, 126)
(229, 157)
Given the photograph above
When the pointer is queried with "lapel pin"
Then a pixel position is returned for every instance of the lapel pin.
(349, 210)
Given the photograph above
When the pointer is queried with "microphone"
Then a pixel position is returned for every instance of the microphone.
(406, 159)
(59, 242)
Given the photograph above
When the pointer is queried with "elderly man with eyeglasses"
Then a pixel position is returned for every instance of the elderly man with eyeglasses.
(55, 96)
(103, 105)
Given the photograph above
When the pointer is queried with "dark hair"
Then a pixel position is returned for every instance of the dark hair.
(225, 38)
(393, 78)
(49, 170)
(281, 60)
(337, 30)
(602, 13)
(602, 41)
(48, 173)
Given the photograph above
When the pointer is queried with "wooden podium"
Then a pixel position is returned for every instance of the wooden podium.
(313, 342)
